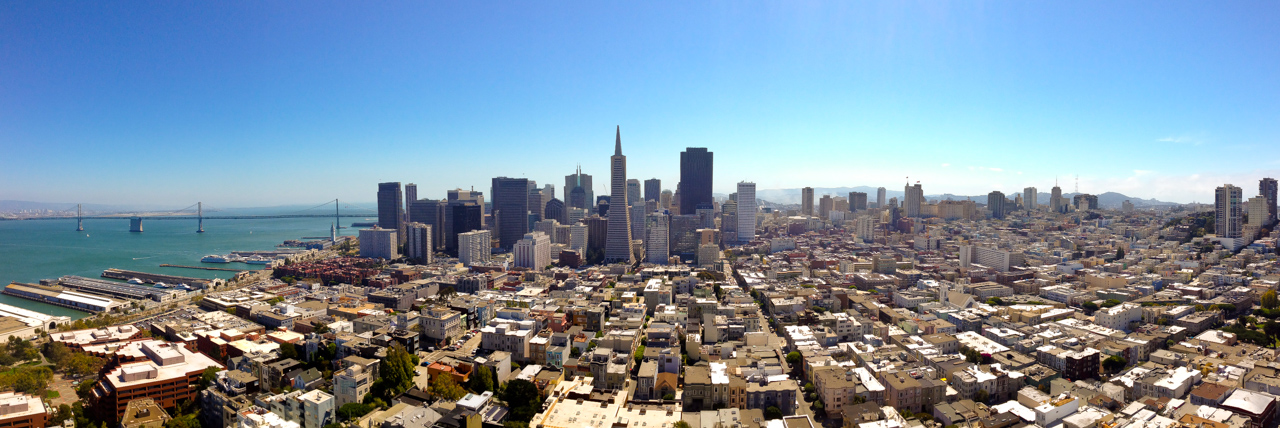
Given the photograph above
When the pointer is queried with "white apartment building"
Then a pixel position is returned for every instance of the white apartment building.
(508, 335)
(997, 259)
(1119, 316)
(310, 409)
(417, 243)
(534, 251)
(379, 243)
(747, 211)
(439, 323)
(578, 237)
(350, 385)
(474, 247)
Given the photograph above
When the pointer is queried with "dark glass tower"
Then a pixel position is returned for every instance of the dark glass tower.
(391, 208)
(511, 209)
(652, 189)
(695, 180)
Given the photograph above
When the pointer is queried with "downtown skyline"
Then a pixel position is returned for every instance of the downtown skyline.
(1153, 102)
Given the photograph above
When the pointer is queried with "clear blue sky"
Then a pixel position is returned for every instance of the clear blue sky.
(268, 103)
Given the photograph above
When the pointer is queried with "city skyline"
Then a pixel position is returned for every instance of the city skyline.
(982, 98)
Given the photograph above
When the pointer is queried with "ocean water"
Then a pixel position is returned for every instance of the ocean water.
(31, 250)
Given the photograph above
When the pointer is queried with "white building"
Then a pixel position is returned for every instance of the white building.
(1119, 316)
(534, 251)
(310, 409)
(507, 335)
(997, 259)
(657, 248)
(350, 385)
(578, 237)
(378, 243)
(746, 211)
(474, 247)
(708, 254)
(1029, 198)
(439, 323)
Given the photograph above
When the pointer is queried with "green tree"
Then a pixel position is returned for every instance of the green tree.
(210, 374)
(793, 358)
(1269, 300)
(444, 387)
(351, 411)
(680, 424)
(395, 373)
(1111, 302)
(523, 399)
(1089, 306)
(1119, 253)
(982, 396)
(773, 412)
(1114, 363)
(481, 380)
(639, 354)
(288, 351)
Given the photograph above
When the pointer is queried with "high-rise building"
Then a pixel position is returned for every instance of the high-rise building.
(664, 200)
(1256, 207)
(597, 233)
(417, 246)
(746, 211)
(577, 190)
(510, 210)
(633, 192)
(1267, 188)
(410, 194)
(806, 201)
(474, 247)
(1056, 204)
(167, 373)
(467, 216)
(1228, 211)
(684, 237)
(533, 251)
(578, 237)
(694, 189)
(431, 212)
(379, 243)
(657, 249)
(652, 189)
(1030, 198)
(995, 203)
(913, 198)
(1085, 201)
(880, 201)
(538, 198)
(1126, 206)
(840, 204)
(618, 243)
(825, 205)
(857, 201)
(555, 211)
(391, 207)
(638, 212)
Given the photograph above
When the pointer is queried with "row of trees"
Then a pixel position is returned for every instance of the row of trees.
(72, 363)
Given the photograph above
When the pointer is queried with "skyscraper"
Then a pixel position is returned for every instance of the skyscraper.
(746, 211)
(618, 243)
(652, 189)
(391, 208)
(410, 195)
(1228, 212)
(430, 212)
(633, 192)
(694, 189)
(1055, 200)
(656, 247)
(533, 251)
(510, 209)
(1267, 189)
(555, 211)
(466, 216)
(995, 203)
(664, 200)
(825, 205)
(880, 198)
(857, 201)
(474, 247)
(577, 190)
(1029, 198)
(912, 199)
(806, 201)
(417, 245)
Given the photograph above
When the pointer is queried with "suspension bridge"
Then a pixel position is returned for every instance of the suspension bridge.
(196, 212)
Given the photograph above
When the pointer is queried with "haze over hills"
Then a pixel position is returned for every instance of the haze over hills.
(792, 196)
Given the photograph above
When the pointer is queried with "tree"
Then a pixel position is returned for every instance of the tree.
(210, 374)
(793, 358)
(668, 396)
(354, 410)
(1111, 302)
(444, 387)
(481, 380)
(809, 388)
(1114, 363)
(982, 396)
(1119, 253)
(680, 424)
(395, 373)
(523, 399)
(1271, 328)
(1089, 306)
(639, 354)
(288, 351)
(773, 412)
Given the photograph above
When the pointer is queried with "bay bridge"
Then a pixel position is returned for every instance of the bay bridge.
(196, 212)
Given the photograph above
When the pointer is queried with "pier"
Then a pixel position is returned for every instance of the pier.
(58, 296)
(152, 278)
(203, 268)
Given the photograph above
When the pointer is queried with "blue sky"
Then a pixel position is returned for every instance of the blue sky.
(268, 103)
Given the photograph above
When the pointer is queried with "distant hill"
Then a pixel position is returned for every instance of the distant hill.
(792, 196)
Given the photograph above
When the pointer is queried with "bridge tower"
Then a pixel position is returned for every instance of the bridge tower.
(337, 221)
(79, 219)
(200, 216)
(135, 224)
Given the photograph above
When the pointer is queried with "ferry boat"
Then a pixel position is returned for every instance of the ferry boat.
(161, 285)
(257, 260)
(214, 258)
(136, 281)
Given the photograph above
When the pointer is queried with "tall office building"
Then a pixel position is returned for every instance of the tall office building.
(430, 212)
(578, 237)
(379, 243)
(857, 201)
(664, 200)
(466, 216)
(912, 199)
(555, 211)
(825, 205)
(410, 195)
(657, 249)
(391, 208)
(474, 247)
(1256, 208)
(880, 197)
(1228, 211)
(618, 243)
(995, 203)
(694, 189)
(746, 211)
(1029, 198)
(1056, 204)
(806, 201)
(638, 212)
(533, 251)
(577, 190)
(1267, 189)
(652, 189)
(684, 236)
(633, 192)
(417, 245)
(510, 210)
(1085, 201)
(538, 198)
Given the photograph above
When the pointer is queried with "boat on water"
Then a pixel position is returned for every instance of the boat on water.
(258, 260)
(214, 258)
(136, 281)
(161, 285)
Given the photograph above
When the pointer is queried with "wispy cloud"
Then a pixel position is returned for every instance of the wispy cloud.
(996, 169)
(1184, 139)
(946, 165)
